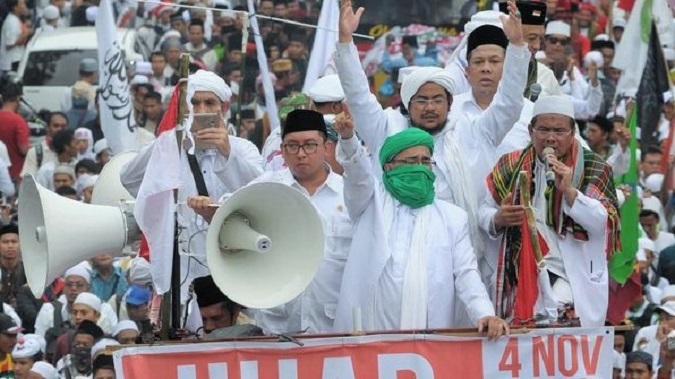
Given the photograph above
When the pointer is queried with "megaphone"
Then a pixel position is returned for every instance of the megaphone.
(56, 233)
(264, 245)
(108, 189)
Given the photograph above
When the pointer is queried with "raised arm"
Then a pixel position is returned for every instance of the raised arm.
(367, 113)
(359, 182)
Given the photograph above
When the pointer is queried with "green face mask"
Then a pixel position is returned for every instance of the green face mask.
(412, 185)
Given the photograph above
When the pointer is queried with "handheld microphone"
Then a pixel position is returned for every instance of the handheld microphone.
(550, 175)
(535, 91)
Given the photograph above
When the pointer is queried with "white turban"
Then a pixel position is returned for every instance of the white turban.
(139, 271)
(101, 345)
(203, 80)
(417, 78)
(124, 325)
(80, 270)
(28, 345)
(90, 300)
(44, 369)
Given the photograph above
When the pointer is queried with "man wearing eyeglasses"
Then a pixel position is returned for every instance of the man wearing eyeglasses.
(304, 148)
(411, 256)
(576, 220)
(464, 152)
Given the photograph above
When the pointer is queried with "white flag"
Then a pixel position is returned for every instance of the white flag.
(268, 87)
(324, 43)
(115, 105)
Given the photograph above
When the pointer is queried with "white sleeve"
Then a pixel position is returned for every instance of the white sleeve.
(6, 185)
(242, 166)
(587, 212)
(44, 319)
(108, 318)
(619, 160)
(486, 215)
(359, 182)
(589, 107)
(369, 117)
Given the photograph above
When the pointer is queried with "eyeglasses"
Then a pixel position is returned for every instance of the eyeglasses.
(557, 41)
(544, 132)
(308, 148)
(414, 160)
(435, 102)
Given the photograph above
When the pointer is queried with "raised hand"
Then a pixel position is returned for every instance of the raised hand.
(513, 26)
(343, 124)
(349, 21)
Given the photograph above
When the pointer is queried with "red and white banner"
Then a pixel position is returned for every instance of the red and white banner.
(545, 353)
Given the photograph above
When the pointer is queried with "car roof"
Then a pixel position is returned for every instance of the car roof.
(81, 37)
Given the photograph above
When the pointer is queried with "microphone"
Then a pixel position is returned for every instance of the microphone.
(535, 91)
(550, 176)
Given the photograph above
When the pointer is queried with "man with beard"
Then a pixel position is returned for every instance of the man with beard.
(427, 94)
(78, 362)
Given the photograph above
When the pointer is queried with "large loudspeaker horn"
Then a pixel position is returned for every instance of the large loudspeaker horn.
(264, 245)
(109, 189)
(56, 233)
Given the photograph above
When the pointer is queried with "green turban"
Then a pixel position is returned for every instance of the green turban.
(408, 138)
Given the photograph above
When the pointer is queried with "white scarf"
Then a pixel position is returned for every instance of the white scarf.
(414, 295)
(463, 193)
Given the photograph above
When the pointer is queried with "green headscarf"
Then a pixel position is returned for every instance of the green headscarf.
(412, 185)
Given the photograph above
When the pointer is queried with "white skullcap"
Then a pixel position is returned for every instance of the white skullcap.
(65, 168)
(559, 28)
(91, 13)
(601, 37)
(44, 369)
(89, 299)
(208, 81)
(51, 12)
(651, 203)
(124, 325)
(404, 72)
(28, 345)
(619, 22)
(143, 68)
(483, 18)
(327, 89)
(101, 345)
(83, 133)
(139, 271)
(85, 181)
(647, 244)
(139, 79)
(669, 291)
(654, 182)
(100, 146)
(223, 3)
(669, 54)
(80, 270)
(558, 104)
(594, 56)
(620, 197)
(421, 76)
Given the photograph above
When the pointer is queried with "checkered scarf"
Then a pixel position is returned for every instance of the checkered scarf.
(592, 176)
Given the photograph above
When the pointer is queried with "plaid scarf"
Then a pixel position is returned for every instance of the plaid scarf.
(591, 175)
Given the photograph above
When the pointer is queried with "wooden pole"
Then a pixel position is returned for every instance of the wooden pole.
(526, 201)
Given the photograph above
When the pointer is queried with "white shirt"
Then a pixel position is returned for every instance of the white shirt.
(10, 33)
(554, 258)
(45, 175)
(221, 175)
(45, 317)
(30, 165)
(314, 309)
(209, 58)
(372, 279)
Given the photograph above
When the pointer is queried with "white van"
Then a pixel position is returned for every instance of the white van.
(52, 59)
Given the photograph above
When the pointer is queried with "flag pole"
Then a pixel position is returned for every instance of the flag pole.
(524, 187)
(171, 302)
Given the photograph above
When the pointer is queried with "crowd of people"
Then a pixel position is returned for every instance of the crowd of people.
(420, 194)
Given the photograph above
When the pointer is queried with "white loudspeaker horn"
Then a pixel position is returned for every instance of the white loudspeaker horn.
(56, 233)
(109, 189)
(264, 245)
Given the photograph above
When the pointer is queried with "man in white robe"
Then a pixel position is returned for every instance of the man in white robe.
(226, 163)
(575, 213)
(305, 149)
(427, 94)
(411, 256)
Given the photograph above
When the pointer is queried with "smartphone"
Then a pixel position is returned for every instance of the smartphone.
(201, 121)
